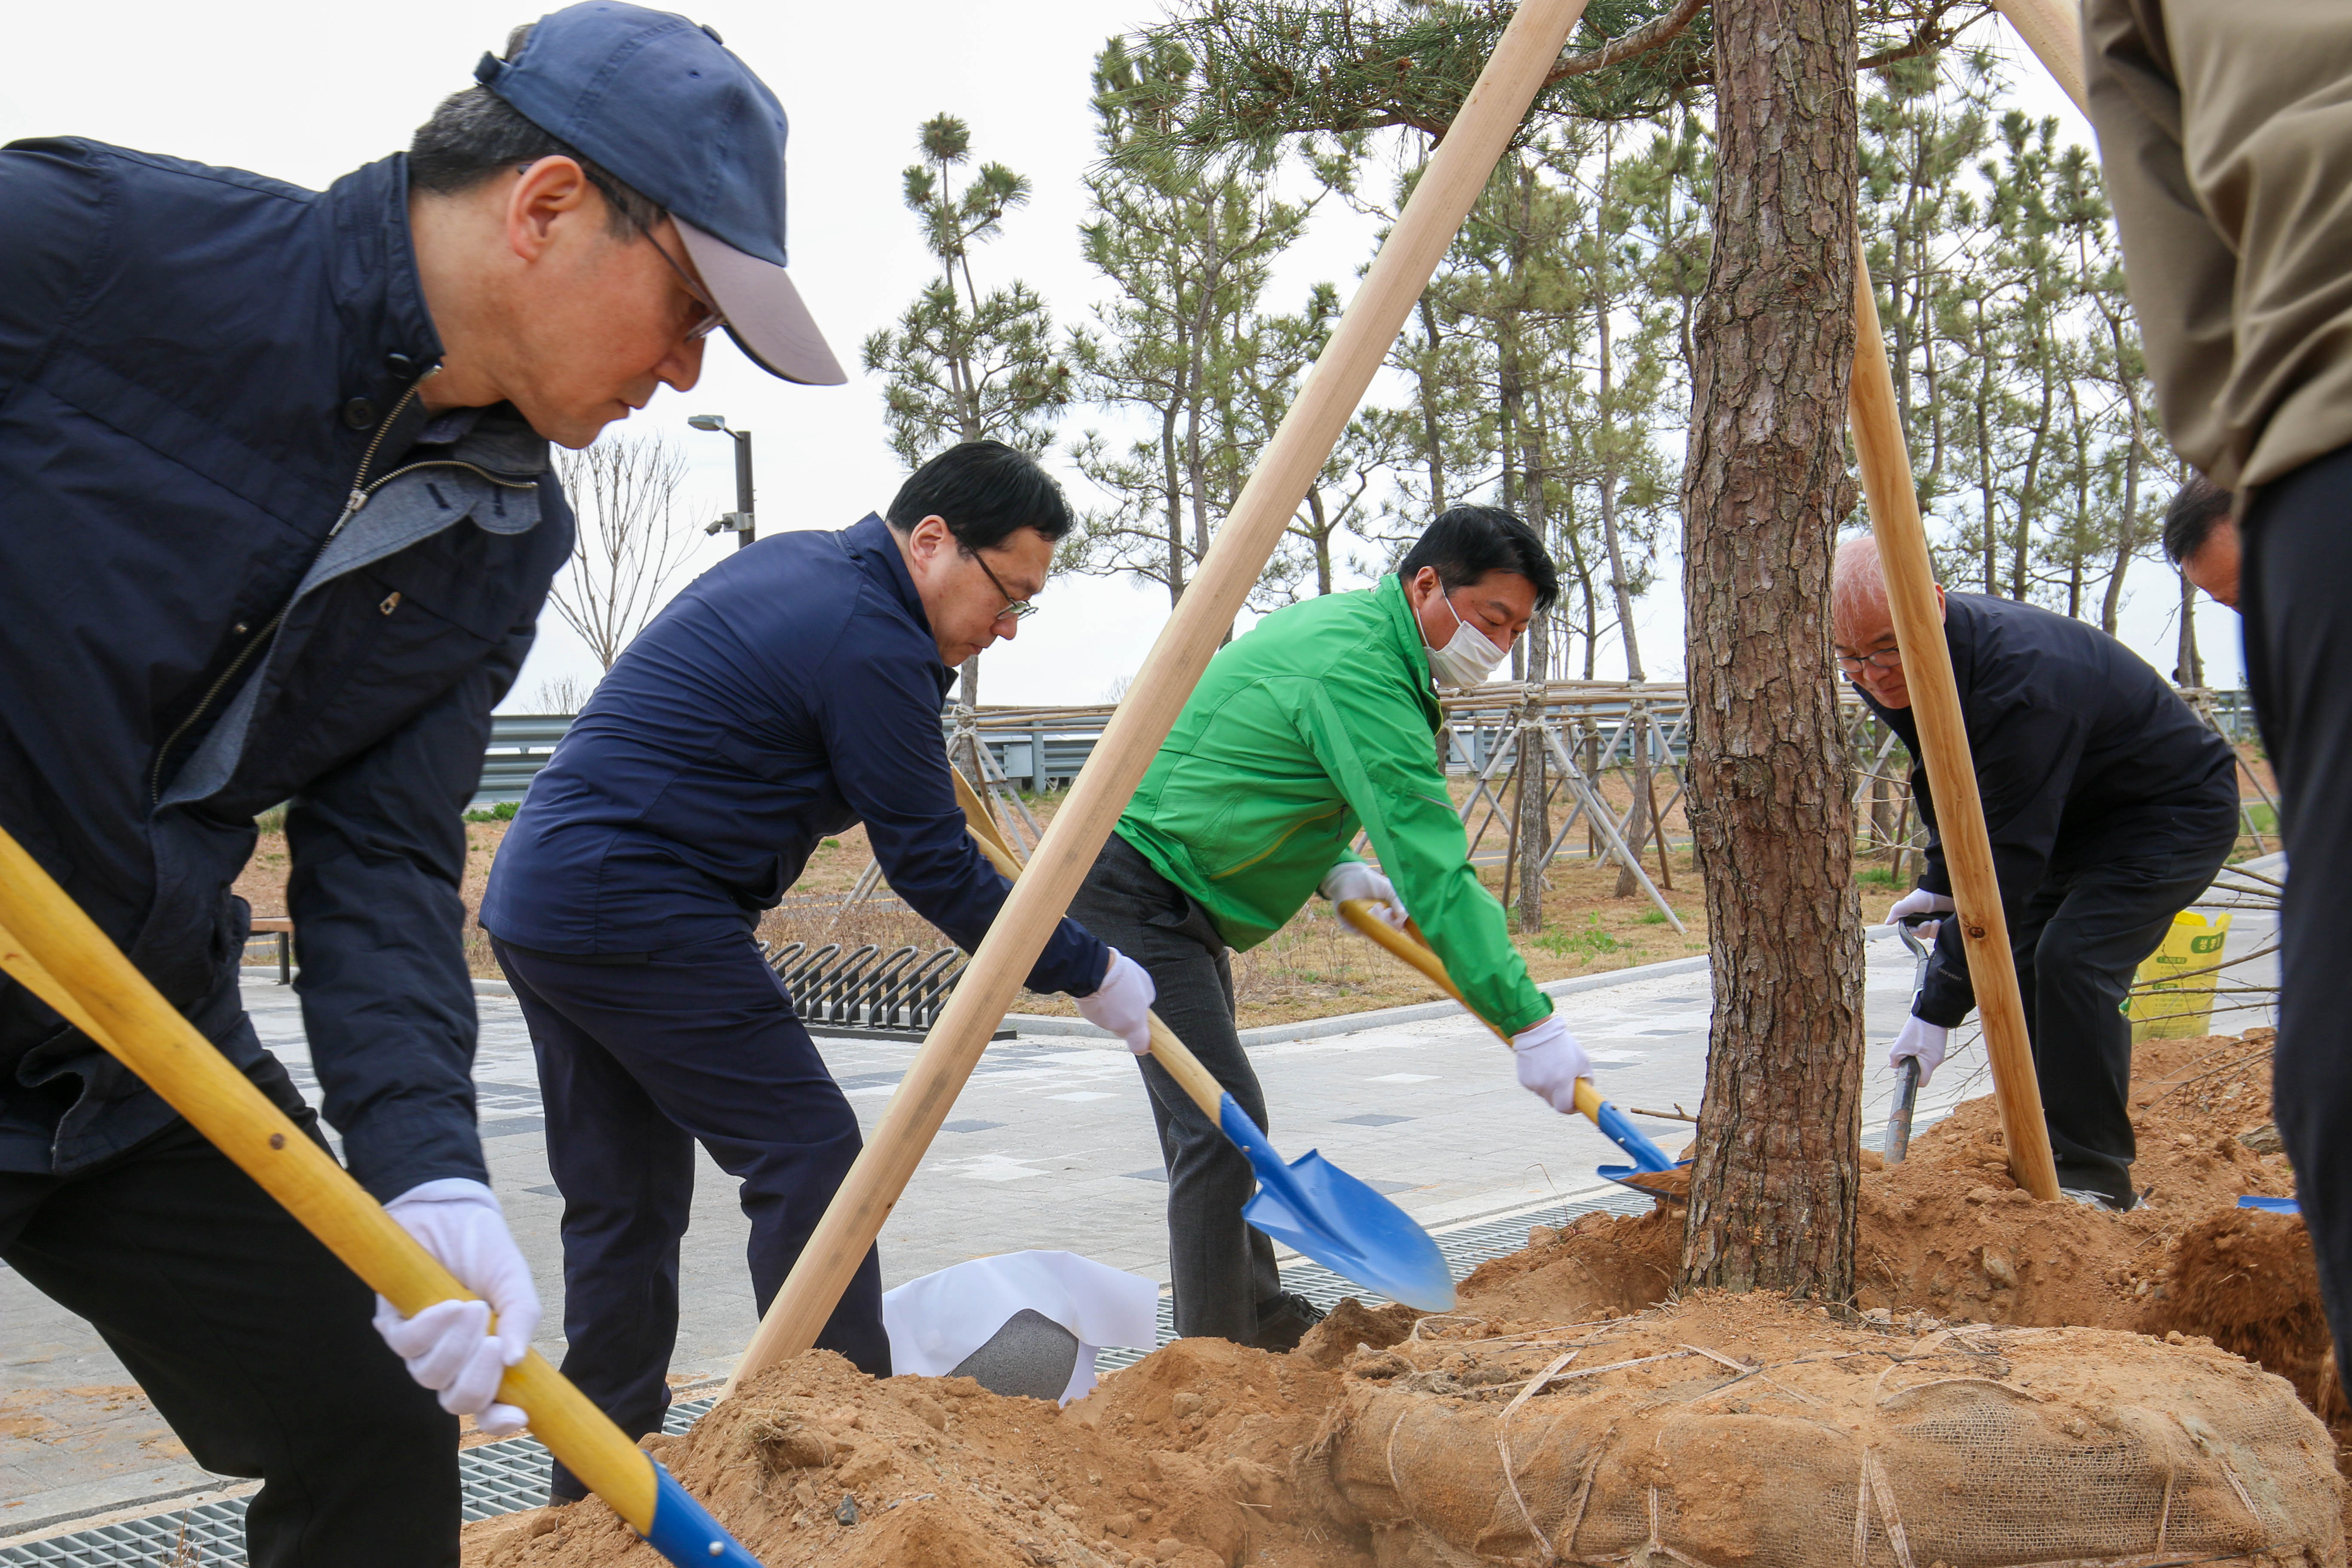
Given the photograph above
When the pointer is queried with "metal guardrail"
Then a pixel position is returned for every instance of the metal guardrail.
(1043, 748)
(521, 744)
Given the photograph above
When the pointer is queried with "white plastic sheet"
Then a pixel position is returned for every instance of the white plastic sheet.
(934, 1322)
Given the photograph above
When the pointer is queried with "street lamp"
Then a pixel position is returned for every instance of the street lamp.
(739, 519)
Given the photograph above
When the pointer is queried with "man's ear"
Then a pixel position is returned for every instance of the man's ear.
(1939, 601)
(551, 187)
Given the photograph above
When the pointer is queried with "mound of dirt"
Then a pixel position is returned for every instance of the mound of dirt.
(1183, 1459)
(2247, 1280)
(1207, 1453)
(1743, 1429)
(1948, 1232)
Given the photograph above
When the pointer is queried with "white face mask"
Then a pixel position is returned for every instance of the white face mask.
(1468, 657)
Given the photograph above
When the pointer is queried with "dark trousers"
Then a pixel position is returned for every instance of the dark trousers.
(2078, 943)
(255, 1344)
(2295, 588)
(1221, 1266)
(638, 1063)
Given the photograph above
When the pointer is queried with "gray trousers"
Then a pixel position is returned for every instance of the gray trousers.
(1222, 1267)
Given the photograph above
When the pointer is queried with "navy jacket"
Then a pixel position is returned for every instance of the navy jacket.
(790, 693)
(216, 597)
(2084, 758)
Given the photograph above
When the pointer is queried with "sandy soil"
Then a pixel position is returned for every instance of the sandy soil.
(1206, 1453)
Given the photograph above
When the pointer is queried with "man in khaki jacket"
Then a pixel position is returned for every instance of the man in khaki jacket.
(2226, 132)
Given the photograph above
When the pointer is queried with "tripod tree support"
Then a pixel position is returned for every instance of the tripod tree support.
(53, 950)
(1457, 173)
(1885, 463)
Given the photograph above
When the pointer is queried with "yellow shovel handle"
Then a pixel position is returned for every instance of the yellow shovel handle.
(1358, 912)
(52, 949)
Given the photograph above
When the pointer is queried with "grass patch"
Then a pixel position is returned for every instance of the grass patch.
(1592, 938)
(502, 812)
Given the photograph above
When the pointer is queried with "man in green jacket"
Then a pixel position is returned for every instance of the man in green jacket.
(1319, 723)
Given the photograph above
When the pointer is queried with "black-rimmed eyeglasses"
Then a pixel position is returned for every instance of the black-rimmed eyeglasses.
(1884, 658)
(1019, 609)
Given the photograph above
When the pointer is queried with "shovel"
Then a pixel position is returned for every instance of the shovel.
(1906, 1076)
(1652, 1171)
(1310, 1204)
(61, 957)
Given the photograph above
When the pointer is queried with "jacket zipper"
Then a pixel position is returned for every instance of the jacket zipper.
(361, 492)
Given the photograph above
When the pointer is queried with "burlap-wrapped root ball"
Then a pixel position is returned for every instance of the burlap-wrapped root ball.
(1744, 1431)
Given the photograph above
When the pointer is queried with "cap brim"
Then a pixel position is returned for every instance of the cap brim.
(763, 310)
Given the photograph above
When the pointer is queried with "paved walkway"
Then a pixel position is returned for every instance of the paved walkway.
(1050, 1146)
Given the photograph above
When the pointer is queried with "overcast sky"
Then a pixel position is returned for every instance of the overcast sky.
(305, 92)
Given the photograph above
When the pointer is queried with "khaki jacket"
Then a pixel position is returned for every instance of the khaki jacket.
(2225, 127)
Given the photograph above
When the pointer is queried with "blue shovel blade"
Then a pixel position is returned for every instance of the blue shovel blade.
(2270, 1205)
(1646, 1155)
(1339, 1222)
(684, 1532)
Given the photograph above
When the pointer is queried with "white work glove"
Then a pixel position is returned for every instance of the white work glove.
(1549, 1062)
(1921, 1039)
(1354, 880)
(1920, 901)
(448, 1346)
(1122, 1003)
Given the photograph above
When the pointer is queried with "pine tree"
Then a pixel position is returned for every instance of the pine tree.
(1188, 249)
(963, 365)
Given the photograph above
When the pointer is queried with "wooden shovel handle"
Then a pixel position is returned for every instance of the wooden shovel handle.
(1182, 1066)
(53, 950)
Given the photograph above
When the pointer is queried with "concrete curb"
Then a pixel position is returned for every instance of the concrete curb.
(1047, 1026)
(1029, 1024)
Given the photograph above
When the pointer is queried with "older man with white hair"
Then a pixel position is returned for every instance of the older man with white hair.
(2110, 808)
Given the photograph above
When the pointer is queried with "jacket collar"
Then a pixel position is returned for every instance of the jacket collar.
(876, 550)
(389, 341)
(1388, 593)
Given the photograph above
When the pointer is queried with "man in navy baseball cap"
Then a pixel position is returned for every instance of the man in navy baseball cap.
(662, 105)
(278, 517)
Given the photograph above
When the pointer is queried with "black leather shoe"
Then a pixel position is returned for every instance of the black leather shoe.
(1283, 1320)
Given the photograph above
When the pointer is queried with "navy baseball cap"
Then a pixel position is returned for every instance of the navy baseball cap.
(669, 110)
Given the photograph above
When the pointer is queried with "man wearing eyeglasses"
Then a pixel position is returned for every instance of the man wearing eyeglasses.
(791, 691)
(277, 519)
(2110, 808)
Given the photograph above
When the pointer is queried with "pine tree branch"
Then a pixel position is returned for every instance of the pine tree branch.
(1640, 41)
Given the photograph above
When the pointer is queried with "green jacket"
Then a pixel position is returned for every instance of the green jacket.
(1318, 721)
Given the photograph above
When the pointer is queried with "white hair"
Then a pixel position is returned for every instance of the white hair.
(1857, 588)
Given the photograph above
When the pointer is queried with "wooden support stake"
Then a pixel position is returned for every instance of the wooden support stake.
(1944, 744)
(1449, 186)
(2053, 29)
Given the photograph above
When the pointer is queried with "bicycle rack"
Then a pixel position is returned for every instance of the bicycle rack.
(897, 996)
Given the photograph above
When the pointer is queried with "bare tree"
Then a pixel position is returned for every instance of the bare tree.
(561, 694)
(629, 544)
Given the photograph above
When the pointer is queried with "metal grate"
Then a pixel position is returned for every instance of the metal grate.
(505, 1477)
(510, 1476)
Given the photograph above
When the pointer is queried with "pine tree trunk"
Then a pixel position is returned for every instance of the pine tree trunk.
(1535, 785)
(1774, 1187)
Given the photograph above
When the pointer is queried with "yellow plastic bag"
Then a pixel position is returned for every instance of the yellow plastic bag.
(2173, 995)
